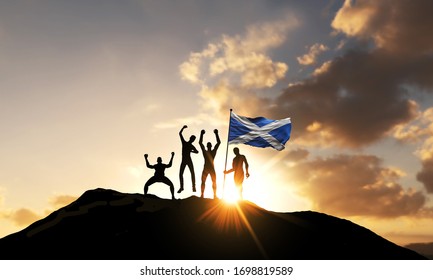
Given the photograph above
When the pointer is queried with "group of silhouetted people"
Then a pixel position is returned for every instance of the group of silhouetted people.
(209, 154)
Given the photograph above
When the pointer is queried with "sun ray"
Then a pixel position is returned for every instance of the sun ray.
(251, 231)
(226, 216)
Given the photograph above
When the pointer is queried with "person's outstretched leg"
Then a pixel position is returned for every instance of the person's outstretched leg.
(214, 185)
(182, 169)
(170, 184)
(191, 168)
(203, 182)
(148, 183)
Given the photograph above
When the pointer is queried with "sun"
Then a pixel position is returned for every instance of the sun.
(231, 194)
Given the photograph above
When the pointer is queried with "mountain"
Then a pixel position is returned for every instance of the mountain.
(106, 224)
(425, 249)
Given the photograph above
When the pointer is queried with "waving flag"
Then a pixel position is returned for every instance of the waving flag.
(259, 132)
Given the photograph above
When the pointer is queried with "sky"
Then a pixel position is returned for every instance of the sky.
(88, 87)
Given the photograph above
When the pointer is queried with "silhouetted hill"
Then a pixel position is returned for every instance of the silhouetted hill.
(105, 224)
(425, 249)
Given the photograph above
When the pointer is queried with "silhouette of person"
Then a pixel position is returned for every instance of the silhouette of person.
(209, 156)
(187, 149)
(159, 175)
(238, 167)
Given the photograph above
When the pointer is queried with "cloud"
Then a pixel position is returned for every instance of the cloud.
(310, 57)
(397, 26)
(323, 68)
(352, 100)
(353, 19)
(425, 176)
(191, 70)
(297, 155)
(361, 96)
(59, 201)
(357, 99)
(223, 95)
(244, 57)
(420, 131)
(232, 68)
(374, 191)
(23, 216)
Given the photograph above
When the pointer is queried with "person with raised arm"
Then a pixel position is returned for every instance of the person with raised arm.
(187, 149)
(209, 156)
(159, 175)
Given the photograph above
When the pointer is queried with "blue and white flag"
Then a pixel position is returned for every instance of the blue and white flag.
(259, 132)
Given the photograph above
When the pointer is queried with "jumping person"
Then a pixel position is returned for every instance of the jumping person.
(238, 167)
(187, 149)
(209, 156)
(159, 175)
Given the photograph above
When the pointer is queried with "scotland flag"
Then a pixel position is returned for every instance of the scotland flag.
(259, 132)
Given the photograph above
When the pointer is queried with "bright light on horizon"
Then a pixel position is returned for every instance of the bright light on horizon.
(230, 192)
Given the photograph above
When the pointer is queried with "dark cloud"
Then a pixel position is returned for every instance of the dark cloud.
(425, 176)
(358, 99)
(355, 186)
(355, 99)
(401, 27)
(361, 95)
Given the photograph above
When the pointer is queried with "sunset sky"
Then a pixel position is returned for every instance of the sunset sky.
(88, 87)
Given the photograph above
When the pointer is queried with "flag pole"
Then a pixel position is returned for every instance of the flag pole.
(227, 151)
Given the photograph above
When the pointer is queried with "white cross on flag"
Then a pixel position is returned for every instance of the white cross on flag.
(259, 132)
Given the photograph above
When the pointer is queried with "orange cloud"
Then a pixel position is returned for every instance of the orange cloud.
(425, 176)
(353, 19)
(61, 200)
(358, 98)
(420, 131)
(297, 155)
(230, 69)
(244, 56)
(310, 57)
(322, 69)
(22, 216)
(333, 188)
(224, 95)
(397, 26)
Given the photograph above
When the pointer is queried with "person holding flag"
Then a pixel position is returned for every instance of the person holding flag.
(257, 132)
(238, 168)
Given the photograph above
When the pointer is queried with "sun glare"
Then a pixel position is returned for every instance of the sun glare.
(231, 194)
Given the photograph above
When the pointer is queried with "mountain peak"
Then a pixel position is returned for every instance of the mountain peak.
(106, 224)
